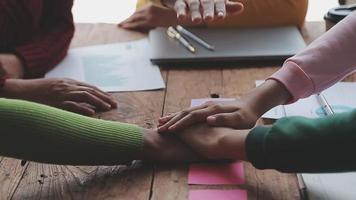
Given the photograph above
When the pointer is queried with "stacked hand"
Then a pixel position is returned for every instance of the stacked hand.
(196, 143)
(241, 114)
(238, 115)
(210, 129)
(215, 143)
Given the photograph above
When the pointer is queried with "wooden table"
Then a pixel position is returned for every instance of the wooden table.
(142, 181)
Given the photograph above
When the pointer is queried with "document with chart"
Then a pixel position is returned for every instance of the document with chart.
(113, 67)
(341, 97)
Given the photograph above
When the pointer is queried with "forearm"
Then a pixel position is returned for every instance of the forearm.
(44, 134)
(12, 66)
(324, 62)
(13, 89)
(40, 133)
(269, 94)
(305, 145)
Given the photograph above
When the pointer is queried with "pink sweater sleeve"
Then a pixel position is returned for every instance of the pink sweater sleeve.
(324, 62)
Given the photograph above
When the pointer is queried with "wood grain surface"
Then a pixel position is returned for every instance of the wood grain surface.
(143, 181)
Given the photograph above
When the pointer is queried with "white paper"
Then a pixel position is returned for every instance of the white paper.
(198, 102)
(275, 113)
(330, 186)
(308, 107)
(341, 97)
(112, 68)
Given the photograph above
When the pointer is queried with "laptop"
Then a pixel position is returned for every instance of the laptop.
(231, 45)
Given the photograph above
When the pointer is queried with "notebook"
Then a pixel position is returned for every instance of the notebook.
(330, 186)
(231, 45)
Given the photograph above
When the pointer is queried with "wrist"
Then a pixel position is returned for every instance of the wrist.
(266, 96)
(235, 145)
(150, 145)
(12, 65)
(168, 148)
(14, 89)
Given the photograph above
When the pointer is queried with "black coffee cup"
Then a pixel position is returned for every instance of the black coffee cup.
(335, 15)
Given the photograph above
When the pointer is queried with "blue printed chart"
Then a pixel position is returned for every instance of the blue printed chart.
(113, 68)
(341, 97)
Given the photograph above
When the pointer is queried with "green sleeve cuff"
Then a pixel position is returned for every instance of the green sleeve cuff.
(255, 147)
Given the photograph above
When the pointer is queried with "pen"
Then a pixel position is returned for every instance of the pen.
(324, 104)
(191, 35)
(172, 33)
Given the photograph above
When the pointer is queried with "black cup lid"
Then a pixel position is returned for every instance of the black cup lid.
(337, 14)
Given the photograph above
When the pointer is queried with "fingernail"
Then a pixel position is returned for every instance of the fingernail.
(211, 119)
(164, 118)
(208, 18)
(197, 20)
(220, 14)
(180, 17)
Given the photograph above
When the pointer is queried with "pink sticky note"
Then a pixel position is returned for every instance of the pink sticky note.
(216, 174)
(218, 195)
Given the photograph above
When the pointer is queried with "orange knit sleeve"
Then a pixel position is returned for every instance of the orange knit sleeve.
(141, 3)
(259, 13)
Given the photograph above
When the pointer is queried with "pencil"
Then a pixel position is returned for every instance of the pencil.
(324, 104)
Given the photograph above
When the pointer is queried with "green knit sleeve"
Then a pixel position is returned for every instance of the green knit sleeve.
(44, 134)
(298, 144)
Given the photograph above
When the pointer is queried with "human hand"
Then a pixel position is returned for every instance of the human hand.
(241, 114)
(204, 10)
(165, 148)
(215, 143)
(149, 17)
(66, 94)
(12, 65)
(237, 114)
